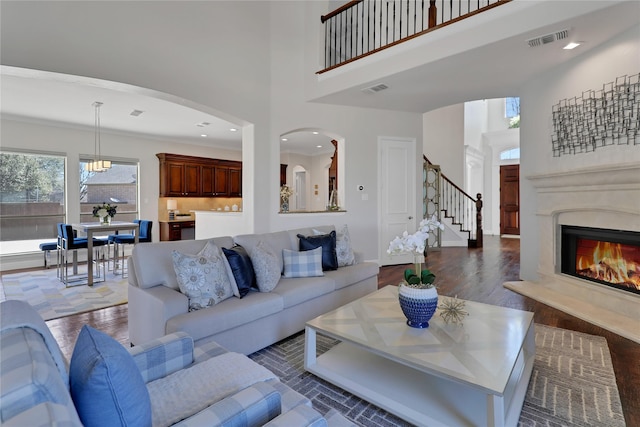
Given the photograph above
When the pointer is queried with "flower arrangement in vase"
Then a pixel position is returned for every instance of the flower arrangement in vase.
(105, 212)
(285, 193)
(417, 294)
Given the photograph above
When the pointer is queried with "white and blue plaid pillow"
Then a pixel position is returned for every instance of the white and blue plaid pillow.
(303, 264)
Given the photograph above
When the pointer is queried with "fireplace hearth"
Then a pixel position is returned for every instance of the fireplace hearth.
(608, 257)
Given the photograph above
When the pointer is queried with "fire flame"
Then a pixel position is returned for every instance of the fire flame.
(609, 265)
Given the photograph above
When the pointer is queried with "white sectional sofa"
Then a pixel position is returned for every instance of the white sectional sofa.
(243, 325)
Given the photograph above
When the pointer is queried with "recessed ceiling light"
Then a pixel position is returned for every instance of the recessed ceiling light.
(284, 139)
(318, 146)
(203, 135)
(233, 130)
(571, 45)
(315, 133)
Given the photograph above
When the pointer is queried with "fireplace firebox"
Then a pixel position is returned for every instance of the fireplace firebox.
(609, 257)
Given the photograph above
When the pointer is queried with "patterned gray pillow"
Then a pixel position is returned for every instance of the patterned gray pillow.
(343, 246)
(203, 279)
(266, 266)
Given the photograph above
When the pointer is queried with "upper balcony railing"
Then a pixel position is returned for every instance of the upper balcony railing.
(362, 27)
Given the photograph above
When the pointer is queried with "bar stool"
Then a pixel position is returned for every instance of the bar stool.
(69, 242)
(119, 240)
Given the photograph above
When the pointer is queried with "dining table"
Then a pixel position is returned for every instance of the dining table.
(90, 228)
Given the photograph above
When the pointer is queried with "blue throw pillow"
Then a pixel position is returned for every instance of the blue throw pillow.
(106, 386)
(328, 243)
(242, 269)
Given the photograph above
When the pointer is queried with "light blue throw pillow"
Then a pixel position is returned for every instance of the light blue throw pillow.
(303, 263)
(106, 386)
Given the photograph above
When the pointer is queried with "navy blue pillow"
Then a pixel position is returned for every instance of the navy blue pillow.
(242, 269)
(106, 386)
(328, 243)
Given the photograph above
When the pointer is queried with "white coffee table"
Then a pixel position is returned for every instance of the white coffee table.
(474, 374)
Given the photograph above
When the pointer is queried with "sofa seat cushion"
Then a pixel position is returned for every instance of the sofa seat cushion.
(226, 315)
(300, 289)
(188, 391)
(348, 275)
(26, 381)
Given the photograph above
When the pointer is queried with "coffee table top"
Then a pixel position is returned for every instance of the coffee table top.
(481, 353)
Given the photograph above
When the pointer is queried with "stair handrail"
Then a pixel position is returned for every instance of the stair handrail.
(464, 210)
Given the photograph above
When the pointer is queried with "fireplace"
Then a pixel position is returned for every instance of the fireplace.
(608, 257)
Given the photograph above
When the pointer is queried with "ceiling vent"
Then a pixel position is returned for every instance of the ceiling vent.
(548, 38)
(375, 89)
(136, 113)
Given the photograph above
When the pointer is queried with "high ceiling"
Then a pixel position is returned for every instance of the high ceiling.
(67, 100)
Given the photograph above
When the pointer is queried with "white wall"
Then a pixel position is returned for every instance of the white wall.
(245, 61)
(444, 140)
(602, 65)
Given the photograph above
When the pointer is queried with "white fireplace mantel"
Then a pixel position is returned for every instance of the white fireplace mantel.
(602, 197)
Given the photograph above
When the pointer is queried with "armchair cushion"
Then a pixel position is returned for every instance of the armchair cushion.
(106, 386)
(251, 407)
(163, 356)
(188, 391)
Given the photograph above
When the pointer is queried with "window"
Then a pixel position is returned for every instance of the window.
(512, 112)
(512, 154)
(117, 186)
(512, 107)
(31, 199)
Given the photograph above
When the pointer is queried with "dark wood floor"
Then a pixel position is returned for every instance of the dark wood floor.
(472, 274)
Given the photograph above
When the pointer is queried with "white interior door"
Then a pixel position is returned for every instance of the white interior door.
(301, 190)
(397, 194)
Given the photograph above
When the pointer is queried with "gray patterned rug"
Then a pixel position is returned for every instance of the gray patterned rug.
(572, 384)
(52, 300)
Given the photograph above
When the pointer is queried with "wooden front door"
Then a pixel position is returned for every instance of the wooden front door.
(510, 199)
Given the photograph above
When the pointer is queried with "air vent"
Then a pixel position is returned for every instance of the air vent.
(376, 88)
(548, 38)
(136, 113)
(202, 124)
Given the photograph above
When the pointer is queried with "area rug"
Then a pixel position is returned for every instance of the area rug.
(53, 300)
(572, 383)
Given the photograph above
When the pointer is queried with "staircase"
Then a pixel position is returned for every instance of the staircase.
(443, 198)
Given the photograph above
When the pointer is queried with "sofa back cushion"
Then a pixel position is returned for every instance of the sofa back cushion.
(153, 262)
(277, 241)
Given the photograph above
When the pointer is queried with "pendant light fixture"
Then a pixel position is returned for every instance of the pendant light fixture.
(98, 164)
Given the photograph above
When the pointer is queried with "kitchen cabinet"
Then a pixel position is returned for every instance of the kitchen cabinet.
(185, 176)
(173, 230)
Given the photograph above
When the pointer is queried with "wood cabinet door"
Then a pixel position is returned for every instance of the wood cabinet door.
(207, 175)
(191, 179)
(221, 187)
(235, 182)
(175, 176)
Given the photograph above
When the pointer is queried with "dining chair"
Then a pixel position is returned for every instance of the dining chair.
(69, 242)
(120, 240)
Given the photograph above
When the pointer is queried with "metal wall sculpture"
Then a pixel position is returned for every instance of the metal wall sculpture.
(598, 118)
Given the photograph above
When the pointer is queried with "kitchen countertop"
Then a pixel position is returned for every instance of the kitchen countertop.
(179, 219)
